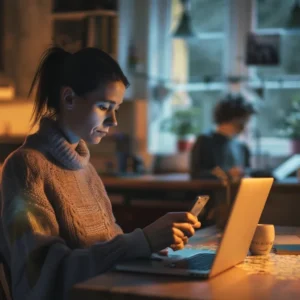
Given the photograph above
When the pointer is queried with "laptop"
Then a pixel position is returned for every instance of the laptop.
(291, 165)
(233, 246)
(282, 171)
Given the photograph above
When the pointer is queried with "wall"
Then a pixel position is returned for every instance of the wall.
(28, 33)
(15, 118)
(28, 28)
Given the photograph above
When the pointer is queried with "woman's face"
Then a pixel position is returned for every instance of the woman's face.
(90, 118)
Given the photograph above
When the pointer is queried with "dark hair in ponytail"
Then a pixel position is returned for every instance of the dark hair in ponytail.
(82, 71)
(48, 83)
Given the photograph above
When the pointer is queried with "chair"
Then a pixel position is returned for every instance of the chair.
(5, 293)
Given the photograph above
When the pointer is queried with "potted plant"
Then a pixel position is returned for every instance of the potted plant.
(290, 127)
(185, 125)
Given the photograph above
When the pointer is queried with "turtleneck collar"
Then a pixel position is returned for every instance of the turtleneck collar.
(50, 138)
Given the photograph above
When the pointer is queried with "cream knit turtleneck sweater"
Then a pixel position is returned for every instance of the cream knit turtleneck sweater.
(57, 219)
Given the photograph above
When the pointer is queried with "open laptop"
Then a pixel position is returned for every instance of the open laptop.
(291, 165)
(282, 171)
(234, 244)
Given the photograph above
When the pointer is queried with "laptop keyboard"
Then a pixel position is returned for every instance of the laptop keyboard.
(201, 261)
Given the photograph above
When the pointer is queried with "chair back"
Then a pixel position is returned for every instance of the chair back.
(5, 282)
(5, 292)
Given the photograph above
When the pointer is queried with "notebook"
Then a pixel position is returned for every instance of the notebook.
(287, 245)
(287, 249)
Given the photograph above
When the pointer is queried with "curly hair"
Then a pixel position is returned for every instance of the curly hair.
(230, 108)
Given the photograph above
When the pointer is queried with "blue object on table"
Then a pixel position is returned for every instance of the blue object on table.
(289, 249)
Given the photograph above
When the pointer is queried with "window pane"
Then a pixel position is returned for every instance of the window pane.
(290, 61)
(291, 50)
(201, 9)
(205, 58)
(273, 13)
(276, 102)
(206, 102)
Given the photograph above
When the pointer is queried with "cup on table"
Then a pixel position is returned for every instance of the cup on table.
(263, 239)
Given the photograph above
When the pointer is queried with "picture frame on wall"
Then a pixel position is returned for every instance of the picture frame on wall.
(263, 50)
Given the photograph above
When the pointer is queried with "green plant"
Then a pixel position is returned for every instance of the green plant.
(182, 122)
(291, 121)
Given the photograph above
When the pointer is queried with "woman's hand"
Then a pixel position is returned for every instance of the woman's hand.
(171, 230)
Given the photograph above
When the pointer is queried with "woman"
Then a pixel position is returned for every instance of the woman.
(57, 219)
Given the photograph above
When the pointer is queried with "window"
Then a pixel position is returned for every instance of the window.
(272, 16)
(199, 67)
(207, 55)
(280, 83)
(198, 62)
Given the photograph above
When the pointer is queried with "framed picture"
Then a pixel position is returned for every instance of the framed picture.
(263, 50)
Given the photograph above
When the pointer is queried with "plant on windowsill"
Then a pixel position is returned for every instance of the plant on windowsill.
(185, 124)
(290, 127)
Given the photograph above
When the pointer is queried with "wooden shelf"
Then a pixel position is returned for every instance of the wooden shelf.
(83, 14)
(93, 28)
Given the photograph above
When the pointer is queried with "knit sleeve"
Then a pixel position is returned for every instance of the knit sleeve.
(41, 264)
(99, 182)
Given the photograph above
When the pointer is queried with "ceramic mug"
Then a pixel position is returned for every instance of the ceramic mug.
(263, 239)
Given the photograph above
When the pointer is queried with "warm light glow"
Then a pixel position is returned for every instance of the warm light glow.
(7, 93)
(15, 118)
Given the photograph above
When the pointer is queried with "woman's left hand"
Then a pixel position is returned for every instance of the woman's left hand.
(163, 252)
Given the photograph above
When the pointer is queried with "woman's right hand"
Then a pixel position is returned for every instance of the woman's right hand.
(171, 230)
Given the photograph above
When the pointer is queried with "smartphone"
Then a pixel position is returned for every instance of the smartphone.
(199, 204)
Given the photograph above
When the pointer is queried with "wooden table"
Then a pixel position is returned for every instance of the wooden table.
(236, 283)
(177, 191)
(169, 181)
(178, 182)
